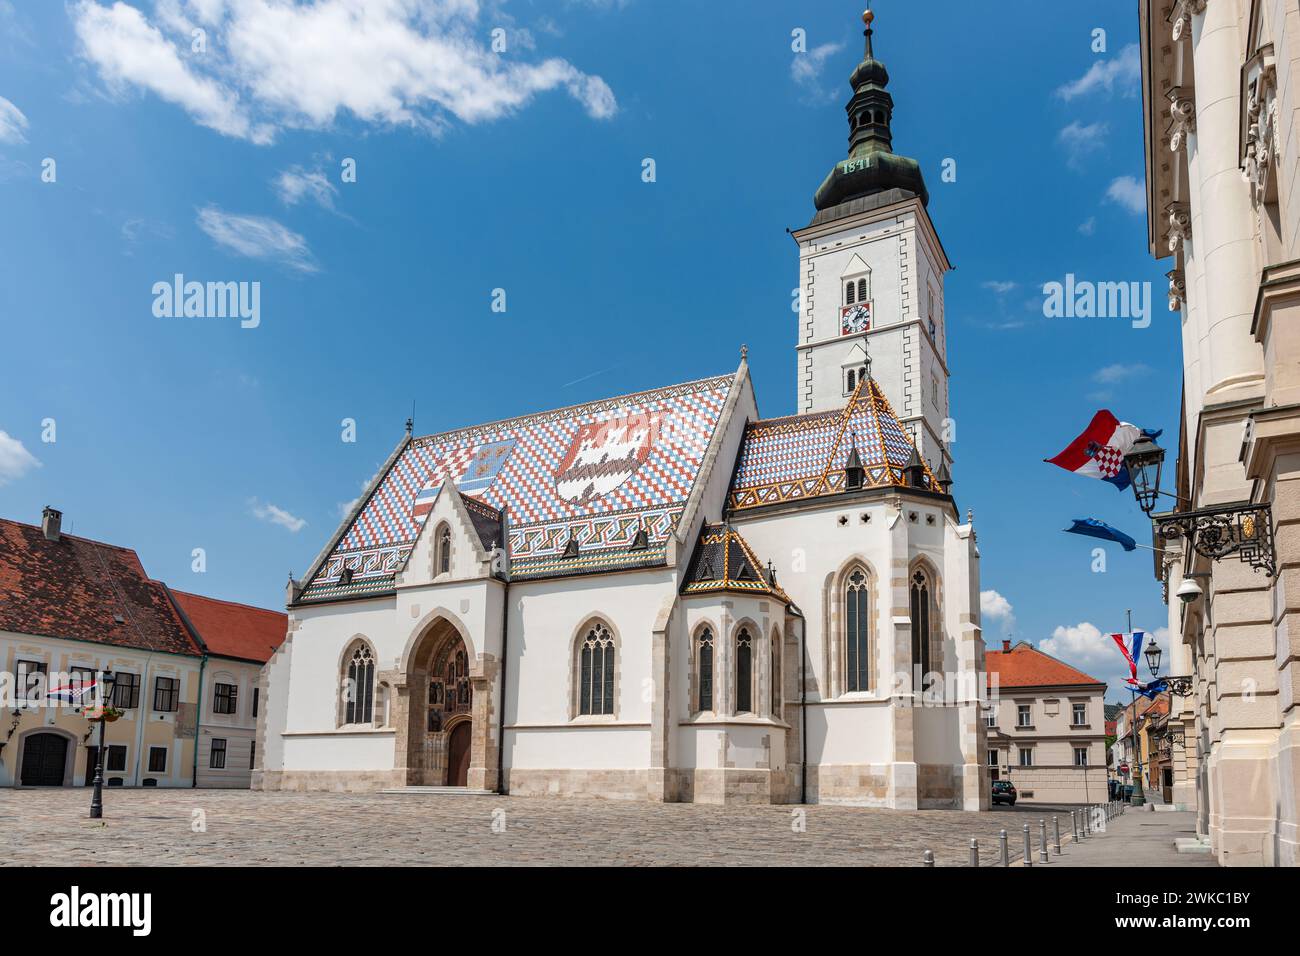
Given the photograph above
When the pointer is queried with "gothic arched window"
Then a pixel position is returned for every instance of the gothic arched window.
(849, 293)
(596, 671)
(704, 669)
(862, 290)
(360, 689)
(853, 381)
(444, 549)
(776, 675)
(744, 672)
(857, 629)
(921, 620)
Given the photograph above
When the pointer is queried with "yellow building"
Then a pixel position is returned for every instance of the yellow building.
(72, 609)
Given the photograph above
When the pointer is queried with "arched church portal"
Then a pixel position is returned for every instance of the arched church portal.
(440, 751)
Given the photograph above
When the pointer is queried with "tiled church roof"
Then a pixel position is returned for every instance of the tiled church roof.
(724, 561)
(803, 456)
(597, 473)
(84, 590)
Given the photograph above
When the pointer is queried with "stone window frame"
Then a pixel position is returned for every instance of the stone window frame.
(341, 702)
(935, 638)
(750, 626)
(443, 548)
(835, 637)
(1023, 750)
(694, 686)
(575, 670)
(776, 674)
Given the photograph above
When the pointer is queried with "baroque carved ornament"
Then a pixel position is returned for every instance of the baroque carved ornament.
(1260, 105)
(1180, 224)
(1182, 15)
(1182, 114)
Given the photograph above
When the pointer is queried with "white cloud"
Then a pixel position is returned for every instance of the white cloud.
(1001, 288)
(1123, 71)
(295, 184)
(1079, 140)
(15, 459)
(257, 237)
(1088, 226)
(806, 68)
(270, 513)
(1127, 192)
(995, 607)
(1119, 372)
(13, 124)
(271, 65)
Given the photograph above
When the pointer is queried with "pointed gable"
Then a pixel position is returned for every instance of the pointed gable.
(596, 474)
(724, 561)
(803, 456)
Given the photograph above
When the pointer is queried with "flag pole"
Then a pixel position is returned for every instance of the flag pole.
(1139, 798)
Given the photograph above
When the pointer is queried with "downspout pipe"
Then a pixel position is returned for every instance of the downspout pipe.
(501, 705)
(198, 722)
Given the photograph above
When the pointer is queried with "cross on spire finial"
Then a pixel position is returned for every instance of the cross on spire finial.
(744, 353)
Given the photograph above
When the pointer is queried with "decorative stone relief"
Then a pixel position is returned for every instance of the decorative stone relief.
(1180, 224)
(1182, 112)
(1260, 104)
(1181, 18)
(1177, 289)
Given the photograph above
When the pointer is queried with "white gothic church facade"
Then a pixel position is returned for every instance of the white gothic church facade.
(663, 596)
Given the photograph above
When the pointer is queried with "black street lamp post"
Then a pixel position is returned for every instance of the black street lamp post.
(105, 701)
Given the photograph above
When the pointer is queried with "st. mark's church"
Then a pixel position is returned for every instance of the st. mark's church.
(663, 596)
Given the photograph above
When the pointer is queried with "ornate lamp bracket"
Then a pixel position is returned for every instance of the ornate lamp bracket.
(1245, 530)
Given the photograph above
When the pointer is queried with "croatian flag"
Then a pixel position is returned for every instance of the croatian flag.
(72, 693)
(1099, 452)
(1131, 653)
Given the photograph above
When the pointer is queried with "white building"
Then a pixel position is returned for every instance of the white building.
(587, 600)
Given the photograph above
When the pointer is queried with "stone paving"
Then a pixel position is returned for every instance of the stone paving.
(243, 828)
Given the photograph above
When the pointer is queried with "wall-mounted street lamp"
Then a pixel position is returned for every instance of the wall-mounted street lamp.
(1244, 529)
(1178, 686)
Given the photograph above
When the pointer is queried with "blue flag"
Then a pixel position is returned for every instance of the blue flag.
(1151, 690)
(1097, 529)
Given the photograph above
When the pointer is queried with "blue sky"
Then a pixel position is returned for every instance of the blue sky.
(522, 170)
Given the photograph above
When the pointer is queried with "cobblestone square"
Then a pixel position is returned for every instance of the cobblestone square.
(244, 828)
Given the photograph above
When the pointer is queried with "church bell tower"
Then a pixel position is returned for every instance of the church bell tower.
(871, 272)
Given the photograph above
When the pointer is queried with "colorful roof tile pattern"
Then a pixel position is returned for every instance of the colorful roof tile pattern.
(803, 456)
(599, 473)
(724, 561)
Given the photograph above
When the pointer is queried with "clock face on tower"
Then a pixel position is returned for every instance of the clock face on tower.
(855, 318)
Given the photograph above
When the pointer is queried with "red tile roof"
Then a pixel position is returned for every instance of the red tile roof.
(84, 590)
(1026, 666)
(234, 630)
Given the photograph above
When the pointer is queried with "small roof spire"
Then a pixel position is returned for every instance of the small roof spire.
(744, 353)
(867, 17)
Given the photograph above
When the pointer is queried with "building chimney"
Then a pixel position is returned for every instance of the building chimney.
(1006, 645)
(51, 521)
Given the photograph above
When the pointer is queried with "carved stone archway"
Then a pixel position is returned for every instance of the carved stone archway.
(440, 689)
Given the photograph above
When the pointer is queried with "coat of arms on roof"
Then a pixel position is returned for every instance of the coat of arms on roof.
(473, 469)
(605, 454)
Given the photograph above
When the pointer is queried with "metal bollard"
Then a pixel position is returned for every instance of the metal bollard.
(1042, 841)
(1087, 823)
(974, 852)
(1006, 851)
(1029, 850)
(1074, 824)
(1056, 826)
(928, 858)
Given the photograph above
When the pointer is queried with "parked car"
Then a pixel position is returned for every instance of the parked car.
(1004, 791)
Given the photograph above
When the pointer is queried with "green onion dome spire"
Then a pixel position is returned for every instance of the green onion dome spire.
(872, 166)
